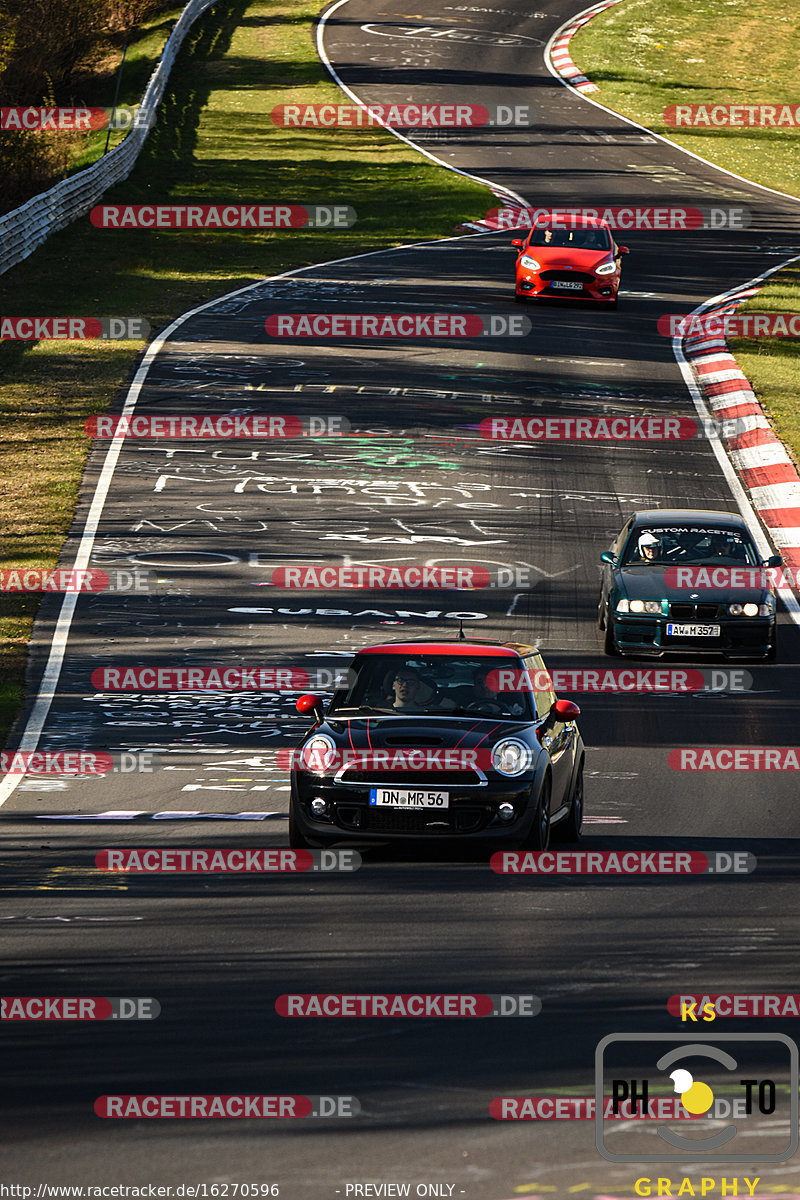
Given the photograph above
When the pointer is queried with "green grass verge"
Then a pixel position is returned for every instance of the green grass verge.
(214, 141)
(773, 364)
(645, 55)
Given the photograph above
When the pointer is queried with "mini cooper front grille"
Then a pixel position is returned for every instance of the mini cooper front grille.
(469, 820)
(416, 779)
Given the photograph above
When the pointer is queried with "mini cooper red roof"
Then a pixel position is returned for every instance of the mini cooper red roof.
(475, 649)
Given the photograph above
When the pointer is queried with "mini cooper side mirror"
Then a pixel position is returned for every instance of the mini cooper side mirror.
(623, 250)
(516, 242)
(566, 710)
(310, 703)
(608, 557)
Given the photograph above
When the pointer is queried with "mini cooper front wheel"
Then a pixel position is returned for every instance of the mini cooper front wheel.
(539, 836)
(570, 829)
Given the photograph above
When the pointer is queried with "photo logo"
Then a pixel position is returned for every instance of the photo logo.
(400, 116)
(726, 1004)
(696, 1098)
(679, 218)
(199, 679)
(465, 577)
(625, 679)
(630, 862)
(730, 324)
(203, 1107)
(203, 862)
(113, 329)
(727, 1076)
(735, 758)
(55, 762)
(728, 577)
(733, 116)
(689, 1011)
(79, 1008)
(222, 216)
(320, 760)
(73, 120)
(404, 1004)
(397, 325)
(588, 429)
(187, 425)
(67, 579)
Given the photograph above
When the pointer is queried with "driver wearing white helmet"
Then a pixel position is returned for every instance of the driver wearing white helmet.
(649, 547)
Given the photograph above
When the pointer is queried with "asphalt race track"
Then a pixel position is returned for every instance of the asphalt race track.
(206, 521)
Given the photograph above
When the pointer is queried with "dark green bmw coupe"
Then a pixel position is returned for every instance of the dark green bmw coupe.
(684, 579)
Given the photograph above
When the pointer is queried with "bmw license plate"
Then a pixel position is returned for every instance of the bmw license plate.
(693, 630)
(407, 798)
(567, 283)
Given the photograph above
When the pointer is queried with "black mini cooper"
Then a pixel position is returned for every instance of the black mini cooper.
(434, 740)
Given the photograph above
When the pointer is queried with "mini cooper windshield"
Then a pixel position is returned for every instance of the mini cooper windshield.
(438, 685)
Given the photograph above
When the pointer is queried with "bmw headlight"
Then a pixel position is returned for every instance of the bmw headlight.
(645, 606)
(530, 263)
(748, 610)
(318, 754)
(623, 606)
(511, 757)
(606, 268)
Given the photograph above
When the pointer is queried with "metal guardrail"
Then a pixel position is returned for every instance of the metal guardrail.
(27, 227)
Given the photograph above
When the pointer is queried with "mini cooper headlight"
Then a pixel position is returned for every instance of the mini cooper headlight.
(623, 606)
(530, 263)
(606, 268)
(511, 757)
(318, 754)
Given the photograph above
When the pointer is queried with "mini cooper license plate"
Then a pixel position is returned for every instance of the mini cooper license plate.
(408, 798)
(567, 283)
(693, 630)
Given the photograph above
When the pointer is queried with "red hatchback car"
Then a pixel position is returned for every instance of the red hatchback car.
(569, 257)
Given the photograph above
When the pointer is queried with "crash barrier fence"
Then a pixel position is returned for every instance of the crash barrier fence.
(25, 228)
